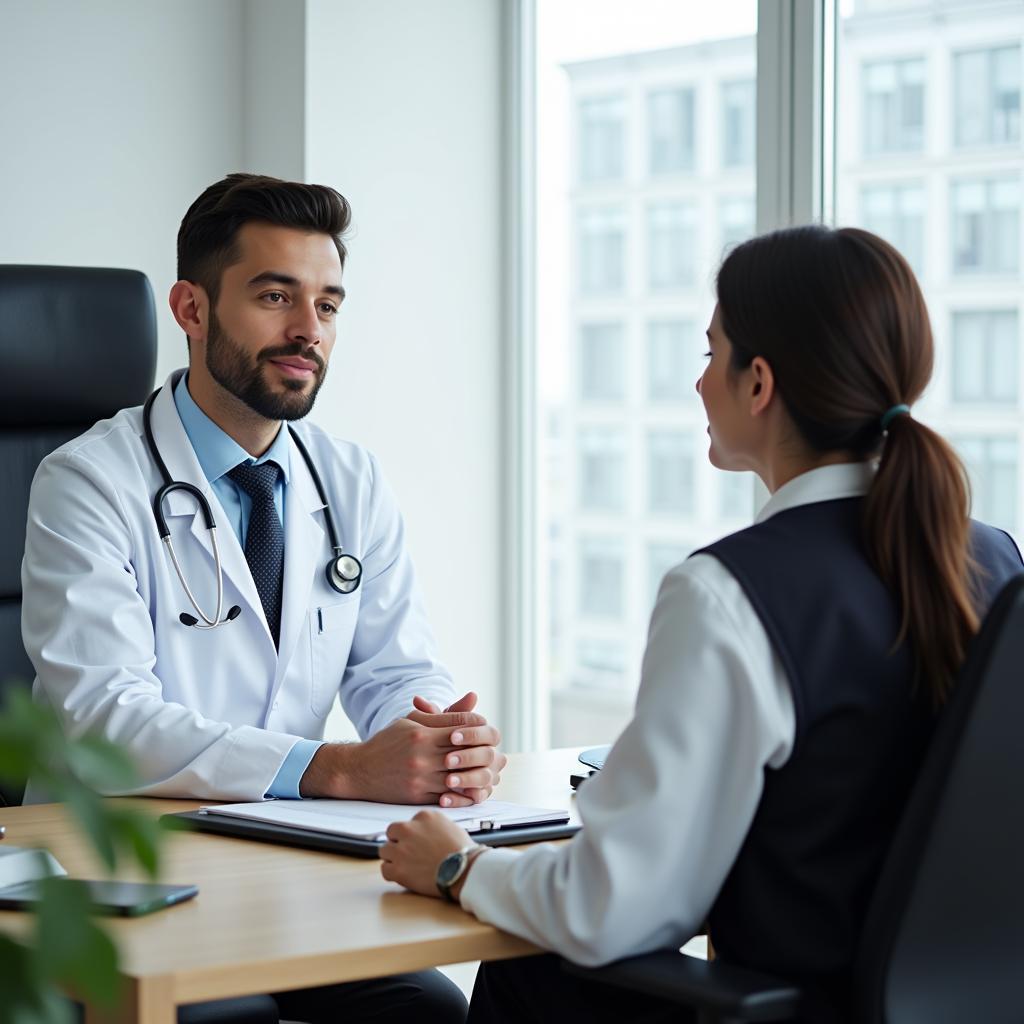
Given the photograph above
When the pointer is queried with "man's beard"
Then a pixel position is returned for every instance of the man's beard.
(241, 374)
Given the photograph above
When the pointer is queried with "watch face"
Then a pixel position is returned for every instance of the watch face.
(448, 871)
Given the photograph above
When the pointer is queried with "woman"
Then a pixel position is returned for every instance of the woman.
(792, 670)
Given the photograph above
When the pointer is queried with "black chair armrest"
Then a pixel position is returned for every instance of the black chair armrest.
(710, 987)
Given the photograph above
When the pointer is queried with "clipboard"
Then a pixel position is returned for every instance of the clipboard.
(290, 835)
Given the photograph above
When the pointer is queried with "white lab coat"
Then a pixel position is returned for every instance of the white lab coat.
(212, 714)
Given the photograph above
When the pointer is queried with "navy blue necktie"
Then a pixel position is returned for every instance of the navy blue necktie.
(264, 540)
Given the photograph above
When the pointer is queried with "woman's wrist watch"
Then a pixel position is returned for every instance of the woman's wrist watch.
(453, 867)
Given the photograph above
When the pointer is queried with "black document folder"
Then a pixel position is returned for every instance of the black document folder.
(290, 835)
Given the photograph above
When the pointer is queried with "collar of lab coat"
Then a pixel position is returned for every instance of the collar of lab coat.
(304, 530)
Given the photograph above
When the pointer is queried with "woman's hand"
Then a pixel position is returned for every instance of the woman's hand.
(414, 850)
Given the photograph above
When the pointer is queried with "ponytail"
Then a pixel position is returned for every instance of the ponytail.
(916, 532)
(839, 316)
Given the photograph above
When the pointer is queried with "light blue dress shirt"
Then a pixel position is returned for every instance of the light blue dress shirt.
(218, 454)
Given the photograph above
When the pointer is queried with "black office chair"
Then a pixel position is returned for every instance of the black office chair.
(77, 344)
(944, 936)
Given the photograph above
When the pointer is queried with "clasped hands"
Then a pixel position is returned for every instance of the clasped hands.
(448, 757)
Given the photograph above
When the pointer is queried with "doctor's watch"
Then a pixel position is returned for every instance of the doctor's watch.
(453, 867)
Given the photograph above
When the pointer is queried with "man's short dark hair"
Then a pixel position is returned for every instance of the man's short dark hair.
(208, 236)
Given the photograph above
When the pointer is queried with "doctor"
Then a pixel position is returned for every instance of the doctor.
(218, 679)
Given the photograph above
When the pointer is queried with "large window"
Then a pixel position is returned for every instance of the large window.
(670, 115)
(645, 173)
(602, 138)
(671, 245)
(987, 96)
(945, 189)
(602, 365)
(893, 106)
(896, 212)
(670, 345)
(986, 225)
(992, 463)
(602, 250)
(985, 347)
(738, 124)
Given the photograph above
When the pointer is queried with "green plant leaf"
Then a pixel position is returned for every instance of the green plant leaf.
(139, 833)
(99, 764)
(78, 953)
(27, 999)
(89, 811)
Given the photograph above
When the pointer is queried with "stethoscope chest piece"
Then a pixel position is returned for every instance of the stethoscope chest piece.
(344, 573)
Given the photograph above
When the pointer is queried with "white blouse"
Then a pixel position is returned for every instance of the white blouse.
(665, 819)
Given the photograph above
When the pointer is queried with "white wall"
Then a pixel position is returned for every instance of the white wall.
(402, 116)
(117, 113)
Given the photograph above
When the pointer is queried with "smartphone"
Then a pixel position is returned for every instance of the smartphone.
(124, 899)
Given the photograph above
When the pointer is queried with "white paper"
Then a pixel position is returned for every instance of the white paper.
(362, 819)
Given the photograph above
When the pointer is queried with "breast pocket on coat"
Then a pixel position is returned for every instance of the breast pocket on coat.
(331, 629)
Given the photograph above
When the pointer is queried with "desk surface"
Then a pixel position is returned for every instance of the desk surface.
(273, 917)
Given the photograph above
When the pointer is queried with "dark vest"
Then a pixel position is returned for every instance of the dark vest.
(794, 901)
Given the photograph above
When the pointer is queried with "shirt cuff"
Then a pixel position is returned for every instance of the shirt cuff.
(286, 783)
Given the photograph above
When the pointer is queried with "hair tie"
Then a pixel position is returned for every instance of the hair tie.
(896, 410)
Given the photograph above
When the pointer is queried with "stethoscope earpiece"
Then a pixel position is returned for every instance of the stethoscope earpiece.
(344, 572)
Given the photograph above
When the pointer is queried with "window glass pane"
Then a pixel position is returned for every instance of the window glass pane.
(601, 576)
(738, 124)
(602, 250)
(987, 87)
(670, 114)
(645, 172)
(670, 473)
(602, 479)
(893, 105)
(671, 348)
(602, 138)
(602, 362)
(671, 245)
(736, 215)
(950, 202)
(660, 558)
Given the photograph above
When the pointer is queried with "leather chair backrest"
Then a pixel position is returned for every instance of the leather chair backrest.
(77, 344)
(944, 938)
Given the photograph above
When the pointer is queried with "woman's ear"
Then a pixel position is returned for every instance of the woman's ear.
(762, 386)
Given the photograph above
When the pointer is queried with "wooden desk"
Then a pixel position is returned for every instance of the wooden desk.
(269, 918)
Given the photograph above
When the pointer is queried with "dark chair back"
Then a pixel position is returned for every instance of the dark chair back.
(77, 344)
(944, 937)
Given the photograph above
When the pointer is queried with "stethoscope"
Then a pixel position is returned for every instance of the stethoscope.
(343, 572)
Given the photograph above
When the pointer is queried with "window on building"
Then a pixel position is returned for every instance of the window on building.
(894, 106)
(896, 212)
(602, 128)
(671, 245)
(672, 130)
(601, 576)
(738, 120)
(602, 251)
(987, 86)
(600, 662)
(992, 465)
(670, 472)
(986, 225)
(670, 348)
(736, 220)
(602, 469)
(985, 356)
(602, 369)
(662, 556)
(735, 495)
